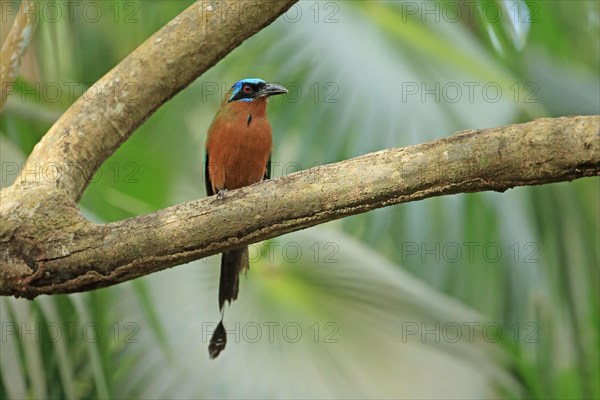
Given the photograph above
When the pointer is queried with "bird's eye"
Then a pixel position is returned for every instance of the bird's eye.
(247, 89)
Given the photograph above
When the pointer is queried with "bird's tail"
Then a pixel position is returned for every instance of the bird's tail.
(232, 264)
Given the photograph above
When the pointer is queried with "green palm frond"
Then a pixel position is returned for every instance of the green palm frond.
(362, 76)
(346, 322)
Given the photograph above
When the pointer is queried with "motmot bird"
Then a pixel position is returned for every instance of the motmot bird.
(238, 153)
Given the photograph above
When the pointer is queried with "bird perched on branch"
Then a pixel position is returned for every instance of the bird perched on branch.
(238, 153)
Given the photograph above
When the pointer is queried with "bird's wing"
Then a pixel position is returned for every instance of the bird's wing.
(268, 170)
(207, 182)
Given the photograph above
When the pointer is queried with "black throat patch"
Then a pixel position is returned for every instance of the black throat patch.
(249, 119)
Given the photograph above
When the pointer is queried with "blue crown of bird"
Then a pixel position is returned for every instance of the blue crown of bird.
(238, 154)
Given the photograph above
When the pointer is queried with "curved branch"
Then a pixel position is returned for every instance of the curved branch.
(108, 113)
(15, 45)
(49, 248)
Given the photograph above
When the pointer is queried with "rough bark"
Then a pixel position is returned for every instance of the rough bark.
(47, 247)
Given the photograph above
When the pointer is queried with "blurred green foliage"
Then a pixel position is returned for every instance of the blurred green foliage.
(482, 295)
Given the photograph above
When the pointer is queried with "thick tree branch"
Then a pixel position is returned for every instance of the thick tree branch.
(15, 45)
(108, 113)
(46, 247)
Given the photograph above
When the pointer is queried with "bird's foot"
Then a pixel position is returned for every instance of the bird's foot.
(221, 194)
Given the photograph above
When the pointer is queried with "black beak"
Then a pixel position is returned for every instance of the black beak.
(271, 89)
